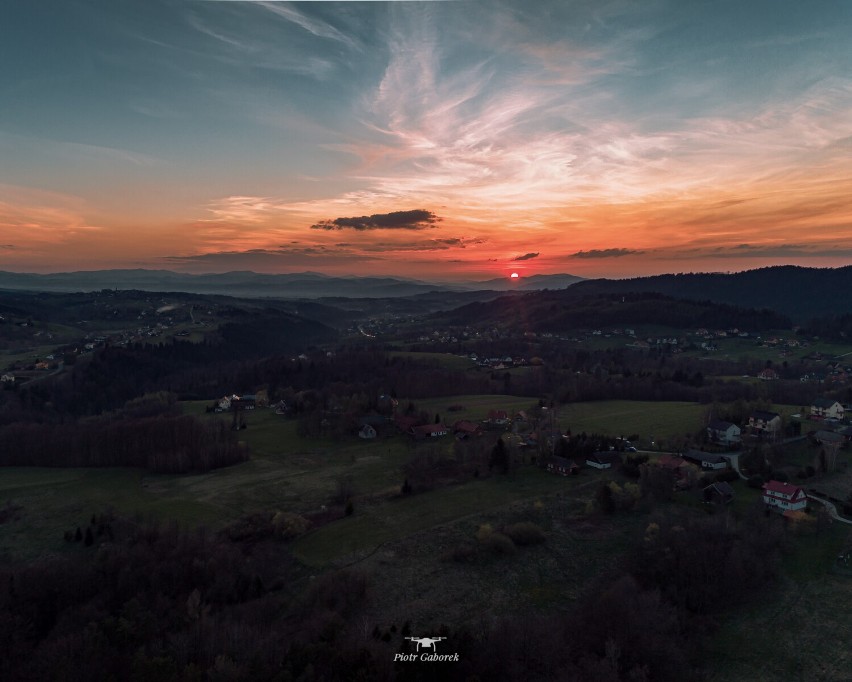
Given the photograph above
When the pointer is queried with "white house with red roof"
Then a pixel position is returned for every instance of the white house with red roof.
(784, 496)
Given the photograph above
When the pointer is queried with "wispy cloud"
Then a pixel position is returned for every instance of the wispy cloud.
(606, 253)
(526, 256)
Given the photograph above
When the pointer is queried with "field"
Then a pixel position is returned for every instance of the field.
(287, 472)
(798, 631)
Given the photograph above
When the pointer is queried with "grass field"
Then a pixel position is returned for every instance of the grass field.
(801, 629)
(287, 472)
(445, 360)
(662, 420)
(368, 529)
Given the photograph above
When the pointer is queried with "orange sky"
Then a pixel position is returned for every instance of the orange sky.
(429, 140)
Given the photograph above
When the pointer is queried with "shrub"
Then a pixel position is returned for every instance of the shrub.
(462, 554)
(484, 532)
(755, 481)
(779, 476)
(525, 534)
(501, 544)
(289, 525)
(727, 475)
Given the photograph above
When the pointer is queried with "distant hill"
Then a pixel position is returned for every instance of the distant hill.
(253, 284)
(531, 283)
(801, 293)
(572, 309)
(298, 285)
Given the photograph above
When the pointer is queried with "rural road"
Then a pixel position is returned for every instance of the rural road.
(734, 459)
(832, 510)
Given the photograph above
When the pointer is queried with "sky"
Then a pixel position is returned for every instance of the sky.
(445, 140)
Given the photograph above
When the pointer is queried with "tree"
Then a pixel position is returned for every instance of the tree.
(90, 540)
(499, 457)
(604, 499)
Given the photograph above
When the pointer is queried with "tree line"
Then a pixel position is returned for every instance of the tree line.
(161, 444)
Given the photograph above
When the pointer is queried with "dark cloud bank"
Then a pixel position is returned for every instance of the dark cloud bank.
(416, 219)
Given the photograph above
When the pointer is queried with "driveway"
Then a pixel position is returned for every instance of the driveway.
(832, 510)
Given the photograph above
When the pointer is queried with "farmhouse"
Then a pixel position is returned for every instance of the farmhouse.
(428, 431)
(706, 460)
(464, 429)
(723, 432)
(677, 464)
(760, 420)
(367, 432)
(829, 437)
(784, 496)
(498, 417)
(603, 460)
(562, 466)
(825, 408)
(719, 493)
(768, 374)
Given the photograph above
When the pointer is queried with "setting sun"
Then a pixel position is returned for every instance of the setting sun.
(514, 275)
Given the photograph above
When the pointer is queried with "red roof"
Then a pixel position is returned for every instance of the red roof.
(671, 461)
(783, 488)
(498, 414)
(429, 429)
(466, 426)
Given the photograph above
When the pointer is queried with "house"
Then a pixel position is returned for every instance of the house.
(8, 379)
(246, 402)
(723, 432)
(706, 460)
(498, 417)
(367, 432)
(829, 437)
(784, 496)
(405, 422)
(603, 460)
(768, 374)
(223, 403)
(769, 422)
(684, 472)
(562, 466)
(825, 408)
(719, 493)
(428, 431)
(464, 429)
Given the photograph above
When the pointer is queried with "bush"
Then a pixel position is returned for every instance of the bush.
(525, 534)
(288, 525)
(728, 475)
(462, 554)
(755, 481)
(500, 544)
(779, 476)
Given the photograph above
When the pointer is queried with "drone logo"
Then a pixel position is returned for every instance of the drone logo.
(426, 642)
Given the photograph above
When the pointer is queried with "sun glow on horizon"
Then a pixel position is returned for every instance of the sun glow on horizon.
(514, 275)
